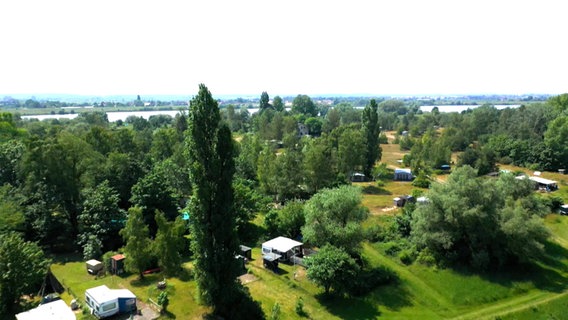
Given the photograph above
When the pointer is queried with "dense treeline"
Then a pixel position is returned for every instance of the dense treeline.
(82, 175)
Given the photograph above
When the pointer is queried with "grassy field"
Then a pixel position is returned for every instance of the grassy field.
(537, 291)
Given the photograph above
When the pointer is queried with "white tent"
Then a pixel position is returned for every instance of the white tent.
(280, 244)
(55, 310)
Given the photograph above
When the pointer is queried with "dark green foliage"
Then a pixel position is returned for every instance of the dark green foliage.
(152, 193)
(287, 221)
(303, 104)
(100, 221)
(351, 151)
(168, 244)
(137, 249)
(299, 307)
(214, 242)
(334, 216)
(264, 101)
(479, 222)
(319, 163)
(163, 301)
(278, 104)
(23, 267)
(332, 268)
(368, 280)
(371, 130)
(481, 159)
(247, 203)
(11, 153)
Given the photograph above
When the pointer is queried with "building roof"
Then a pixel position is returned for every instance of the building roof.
(55, 310)
(281, 244)
(118, 257)
(399, 170)
(93, 262)
(542, 180)
(244, 248)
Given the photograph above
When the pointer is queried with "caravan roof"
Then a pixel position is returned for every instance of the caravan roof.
(55, 310)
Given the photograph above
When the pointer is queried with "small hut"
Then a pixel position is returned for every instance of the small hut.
(117, 264)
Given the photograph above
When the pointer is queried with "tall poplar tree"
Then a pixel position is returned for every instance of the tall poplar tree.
(214, 243)
(371, 130)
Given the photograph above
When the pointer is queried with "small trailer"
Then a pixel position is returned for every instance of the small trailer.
(104, 302)
(94, 266)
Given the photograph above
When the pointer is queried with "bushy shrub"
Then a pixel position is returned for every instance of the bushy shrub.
(426, 257)
(299, 308)
(407, 256)
(369, 280)
(392, 248)
(375, 233)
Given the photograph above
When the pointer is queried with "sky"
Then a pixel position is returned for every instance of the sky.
(412, 47)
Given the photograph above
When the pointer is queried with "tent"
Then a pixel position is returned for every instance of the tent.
(283, 246)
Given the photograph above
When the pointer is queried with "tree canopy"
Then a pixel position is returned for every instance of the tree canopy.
(480, 222)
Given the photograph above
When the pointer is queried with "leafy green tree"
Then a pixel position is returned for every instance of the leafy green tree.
(11, 153)
(138, 245)
(267, 171)
(332, 268)
(319, 164)
(479, 222)
(314, 126)
(288, 174)
(371, 131)
(168, 244)
(291, 219)
(152, 193)
(303, 104)
(123, 171)
(334, 216)
(246, 162)
(247, 203)
(101, 218)
(278, 104)
(23, 267)
(351, 151)
(214, 242)
(555, 137)
(264, 101)
(11, 213)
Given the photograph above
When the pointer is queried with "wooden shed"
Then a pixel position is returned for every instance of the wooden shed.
(117, 264)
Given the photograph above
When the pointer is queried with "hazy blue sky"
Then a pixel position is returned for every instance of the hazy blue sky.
(106, 47)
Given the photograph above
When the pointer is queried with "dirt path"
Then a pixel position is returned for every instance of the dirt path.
(524, 302)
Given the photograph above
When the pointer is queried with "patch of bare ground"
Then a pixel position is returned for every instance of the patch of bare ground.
(247, 278)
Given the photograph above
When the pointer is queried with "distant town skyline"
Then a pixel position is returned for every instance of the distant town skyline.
(413, 47)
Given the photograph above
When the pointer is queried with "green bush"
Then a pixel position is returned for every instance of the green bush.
(299, 308)
(426, 257)
(392, 248)
(375, 233)
(368, 280)
(407, 256)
